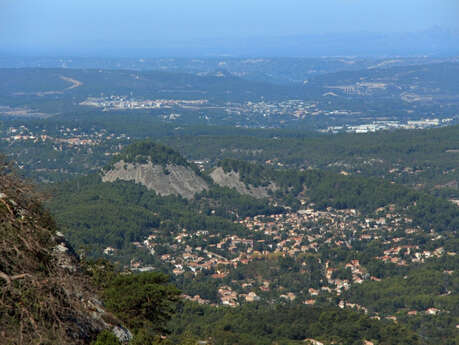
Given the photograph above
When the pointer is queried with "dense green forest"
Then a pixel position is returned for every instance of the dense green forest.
(148, 151)
(285, 324)
(425, 298)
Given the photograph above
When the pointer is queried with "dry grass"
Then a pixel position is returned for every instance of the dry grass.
(40, 301)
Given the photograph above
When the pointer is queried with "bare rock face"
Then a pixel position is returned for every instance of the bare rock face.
(169, 180)
(232, 180)
(123, 334)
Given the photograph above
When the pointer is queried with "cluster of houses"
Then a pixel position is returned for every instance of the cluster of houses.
(204, 257)
(293, 107)
(126, 103)
(64, 136)
(411, 253)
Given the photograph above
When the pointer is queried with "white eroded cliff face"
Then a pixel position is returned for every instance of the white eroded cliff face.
(232, 180)
(164, 180)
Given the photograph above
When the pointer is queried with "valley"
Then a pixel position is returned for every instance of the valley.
(257, 200)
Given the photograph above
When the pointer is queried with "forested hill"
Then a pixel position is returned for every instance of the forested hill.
(149, 151)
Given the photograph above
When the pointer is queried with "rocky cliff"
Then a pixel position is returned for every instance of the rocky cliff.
(163, 179)
(231, 179)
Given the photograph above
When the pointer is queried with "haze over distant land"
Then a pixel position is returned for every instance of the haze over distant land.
(142, 28)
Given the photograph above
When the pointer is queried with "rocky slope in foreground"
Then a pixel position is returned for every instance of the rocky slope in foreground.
(45, 298)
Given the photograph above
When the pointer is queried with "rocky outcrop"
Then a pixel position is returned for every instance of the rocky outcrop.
(232, 179)
(164, 180)
(46, 296)
(123, 334)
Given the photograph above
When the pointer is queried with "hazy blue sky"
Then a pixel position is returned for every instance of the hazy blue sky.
(47, 23)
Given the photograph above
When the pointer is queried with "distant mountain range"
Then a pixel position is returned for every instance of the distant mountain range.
(434, 42)
(437, 42)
